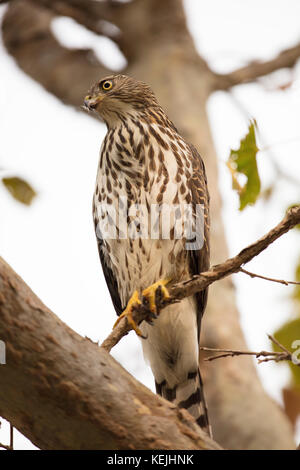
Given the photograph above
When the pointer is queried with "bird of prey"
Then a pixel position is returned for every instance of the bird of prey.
(144, 164)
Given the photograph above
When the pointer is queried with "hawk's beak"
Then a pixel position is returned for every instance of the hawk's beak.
(92, 103)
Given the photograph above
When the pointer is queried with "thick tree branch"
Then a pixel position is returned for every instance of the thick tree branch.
(197, 283)
(88, 12)
(63, 392)
(268, 355)
(28, 37)
(108, 18)
(255, 70)
(277, 356)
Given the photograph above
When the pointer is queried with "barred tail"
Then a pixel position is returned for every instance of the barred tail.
(188, 395)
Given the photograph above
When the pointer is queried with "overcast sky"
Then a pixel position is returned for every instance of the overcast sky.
(52, 243)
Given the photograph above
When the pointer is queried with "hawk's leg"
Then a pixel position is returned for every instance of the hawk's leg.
(134, 300)
(151, 292)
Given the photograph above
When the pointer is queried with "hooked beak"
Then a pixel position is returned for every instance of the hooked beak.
(92, 103)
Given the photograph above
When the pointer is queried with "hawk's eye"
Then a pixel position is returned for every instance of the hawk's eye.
(107, 85)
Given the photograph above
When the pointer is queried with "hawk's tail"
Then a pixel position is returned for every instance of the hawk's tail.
(188, 395)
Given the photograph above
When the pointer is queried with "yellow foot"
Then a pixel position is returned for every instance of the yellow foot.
(150, 293)
(134, 300)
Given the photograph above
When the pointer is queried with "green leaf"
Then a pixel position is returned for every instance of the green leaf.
(286, 335)
(19, 189)
(243, 162)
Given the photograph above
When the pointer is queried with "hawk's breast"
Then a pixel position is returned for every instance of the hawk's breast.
(143, 175)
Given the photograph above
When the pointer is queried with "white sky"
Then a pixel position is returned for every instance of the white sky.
(52, 244)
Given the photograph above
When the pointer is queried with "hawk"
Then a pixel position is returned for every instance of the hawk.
(144, 164)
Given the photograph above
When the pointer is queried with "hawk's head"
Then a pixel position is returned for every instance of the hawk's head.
(116, 96)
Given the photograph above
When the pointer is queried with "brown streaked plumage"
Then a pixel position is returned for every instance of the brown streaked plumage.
(143, 158)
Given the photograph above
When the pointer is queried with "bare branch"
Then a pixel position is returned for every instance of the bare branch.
(197, 283)
(277, 356)
(281, 281)
(28, 37)
(269, 356)
(255, 70)
(4, 446)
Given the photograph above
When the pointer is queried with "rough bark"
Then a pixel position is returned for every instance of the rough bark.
(64, 392)
(242, 415)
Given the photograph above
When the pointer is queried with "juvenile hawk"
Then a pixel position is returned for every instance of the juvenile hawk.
(146, 164)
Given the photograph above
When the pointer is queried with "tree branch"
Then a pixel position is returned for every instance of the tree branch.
(277, 356)
(134, 26)
(11, 439)
(280, 281)
(197, 283)
(63, 392)
(286, 59)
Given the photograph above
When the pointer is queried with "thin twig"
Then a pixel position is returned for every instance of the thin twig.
(277, 356)
(202, 281)
(280, 281)
(280, 173)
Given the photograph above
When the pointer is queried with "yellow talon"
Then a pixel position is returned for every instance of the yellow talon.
(150, 293)
(134, 300)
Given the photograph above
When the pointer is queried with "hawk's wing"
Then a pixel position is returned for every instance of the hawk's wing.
(199, 259)
(110, 281)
